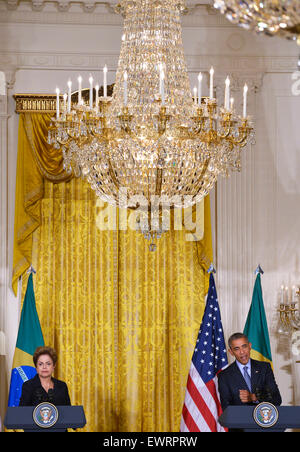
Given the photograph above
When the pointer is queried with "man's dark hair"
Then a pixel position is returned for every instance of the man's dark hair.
(236, 336)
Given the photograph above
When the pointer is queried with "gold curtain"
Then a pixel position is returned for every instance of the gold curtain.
(124, 320)
(36, 162)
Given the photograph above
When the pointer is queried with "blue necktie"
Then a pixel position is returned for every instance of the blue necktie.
(247, 378)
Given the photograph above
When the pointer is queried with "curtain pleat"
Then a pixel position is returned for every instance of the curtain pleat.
(161, 300)
(75, 297)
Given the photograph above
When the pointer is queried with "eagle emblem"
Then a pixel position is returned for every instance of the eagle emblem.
(265, 414)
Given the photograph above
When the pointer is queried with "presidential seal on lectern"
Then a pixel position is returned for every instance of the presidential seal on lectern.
(265, 414)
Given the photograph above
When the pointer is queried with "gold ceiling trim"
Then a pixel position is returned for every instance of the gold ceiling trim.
(46, 103)
(35, 103)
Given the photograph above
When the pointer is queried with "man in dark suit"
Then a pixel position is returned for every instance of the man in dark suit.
(246, 381)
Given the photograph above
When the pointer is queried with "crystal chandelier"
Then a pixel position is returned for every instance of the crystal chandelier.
(152, 139)
(289, 310)
(272, 17)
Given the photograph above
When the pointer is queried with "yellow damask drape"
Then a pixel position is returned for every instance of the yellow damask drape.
(124, 320)
(36, 161)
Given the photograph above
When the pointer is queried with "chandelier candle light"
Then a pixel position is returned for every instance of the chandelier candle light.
(151, 137)
(289, 309)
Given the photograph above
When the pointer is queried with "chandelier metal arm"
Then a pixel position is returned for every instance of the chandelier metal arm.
(72, 136)
(225, 135)
(241, 141)
(199, 120)
(62, 142)
(98, 135)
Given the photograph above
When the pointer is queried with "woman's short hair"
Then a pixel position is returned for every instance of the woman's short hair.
(44, 351)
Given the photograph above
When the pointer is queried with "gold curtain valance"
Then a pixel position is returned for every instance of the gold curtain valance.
(48, 160)
(37, 161)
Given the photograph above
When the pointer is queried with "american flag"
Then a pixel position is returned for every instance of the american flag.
(202, 406)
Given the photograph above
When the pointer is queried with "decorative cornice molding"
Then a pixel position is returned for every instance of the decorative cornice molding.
(60, 17)
(192, 6)
(197, 14)
(61, 5)
(230, 64)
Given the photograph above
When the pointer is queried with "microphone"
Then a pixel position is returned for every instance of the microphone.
(39, 395)
(259, 395)
(268, 394)
(263, 394)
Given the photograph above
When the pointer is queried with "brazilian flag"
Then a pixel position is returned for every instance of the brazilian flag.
(29, 338)
(256, 327)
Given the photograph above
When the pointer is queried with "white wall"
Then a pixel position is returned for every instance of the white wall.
(259, 220)
(256, 215)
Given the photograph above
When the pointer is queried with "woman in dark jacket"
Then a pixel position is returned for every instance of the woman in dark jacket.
(43, 387)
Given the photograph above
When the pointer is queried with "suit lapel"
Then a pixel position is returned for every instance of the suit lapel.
(255, 374)
(239, 379)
